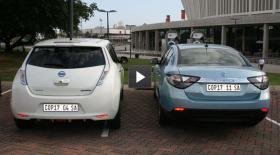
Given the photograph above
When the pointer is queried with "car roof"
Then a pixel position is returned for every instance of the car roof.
(87, 42)
(189, 46)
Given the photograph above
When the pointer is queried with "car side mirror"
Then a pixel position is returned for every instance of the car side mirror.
(124, 60)
(154, 61)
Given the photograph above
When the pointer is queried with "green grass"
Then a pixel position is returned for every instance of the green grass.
(10, 62)
(274, 78)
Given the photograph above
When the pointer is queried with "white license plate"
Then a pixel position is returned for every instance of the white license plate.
(60, 107)
(223, 87)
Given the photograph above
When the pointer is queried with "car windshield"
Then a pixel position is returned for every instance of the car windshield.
(66, 57)
(211, 57)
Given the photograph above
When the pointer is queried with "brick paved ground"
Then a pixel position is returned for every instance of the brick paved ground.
(6, 85)
(140, 134)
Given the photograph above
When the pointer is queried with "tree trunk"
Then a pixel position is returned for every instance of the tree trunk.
(8, 47)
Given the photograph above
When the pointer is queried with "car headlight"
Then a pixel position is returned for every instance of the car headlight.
(181, 81)
(260, 82)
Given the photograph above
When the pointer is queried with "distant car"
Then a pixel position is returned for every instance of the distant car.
(62, 79)
(209, 82)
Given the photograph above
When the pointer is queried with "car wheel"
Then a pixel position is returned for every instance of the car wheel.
(254, 122)
(155, 93)
(116, 122)
(24, 124)
(122, 94)
(162, 118)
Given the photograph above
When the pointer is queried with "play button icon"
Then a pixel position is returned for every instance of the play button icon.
(139, 76)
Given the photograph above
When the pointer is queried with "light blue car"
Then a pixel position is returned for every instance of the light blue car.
(209, 82)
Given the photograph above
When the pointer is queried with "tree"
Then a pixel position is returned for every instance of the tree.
(21, 19)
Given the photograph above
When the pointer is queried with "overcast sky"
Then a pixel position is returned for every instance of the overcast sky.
(135, 12)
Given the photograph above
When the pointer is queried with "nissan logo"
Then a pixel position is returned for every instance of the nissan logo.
(61, 74)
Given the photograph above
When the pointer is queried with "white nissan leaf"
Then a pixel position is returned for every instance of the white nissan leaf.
(64, 79)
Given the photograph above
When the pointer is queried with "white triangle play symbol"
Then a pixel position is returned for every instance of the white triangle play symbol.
(139, 77)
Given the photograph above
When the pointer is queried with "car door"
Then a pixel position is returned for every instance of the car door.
(161, 68)
(156, 70)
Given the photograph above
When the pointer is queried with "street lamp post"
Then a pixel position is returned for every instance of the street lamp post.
(71, 8)
(111, 11)
(100, 26)
(130, 39)
(235, 22)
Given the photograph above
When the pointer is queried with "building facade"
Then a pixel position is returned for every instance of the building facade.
(251, 26)
(117, 35)
(201, 9)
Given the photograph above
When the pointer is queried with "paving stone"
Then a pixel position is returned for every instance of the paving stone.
(141, 134)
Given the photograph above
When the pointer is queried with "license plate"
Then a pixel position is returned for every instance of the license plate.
(60, 107)
(223, 87)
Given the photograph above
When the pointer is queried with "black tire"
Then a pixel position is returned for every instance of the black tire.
(121, 94)
(24, 124)
(116, 122)
(254, 122)
(163, 120)
(155, 93)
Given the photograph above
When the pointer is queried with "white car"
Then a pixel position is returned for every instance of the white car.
(61, 79)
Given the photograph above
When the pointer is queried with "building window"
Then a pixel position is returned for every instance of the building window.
(262, 5)
(277, 4)
(202, 8)
(274, 39)
(241, 6)
(228, 7)
(211, 7)
(224, 7)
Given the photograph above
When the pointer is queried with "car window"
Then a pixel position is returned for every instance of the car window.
(172, 59)
(112, 53)
(163, 56)
(163, 59)
(66, 57)
(211, 56)
(168, 57)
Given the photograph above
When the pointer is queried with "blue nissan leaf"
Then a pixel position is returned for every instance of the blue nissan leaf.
(209, 82)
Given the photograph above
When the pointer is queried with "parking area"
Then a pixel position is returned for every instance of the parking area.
(140, 133)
